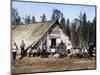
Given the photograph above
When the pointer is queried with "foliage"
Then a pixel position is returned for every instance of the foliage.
(68, 28)
(83, 32)
(27, 19)
(57, 14)
(43, 18)
(33, 19)
(16, 19)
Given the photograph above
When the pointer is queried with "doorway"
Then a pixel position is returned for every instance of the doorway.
(53, 42)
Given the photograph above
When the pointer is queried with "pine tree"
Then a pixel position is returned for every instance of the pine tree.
(62, 21)
(43, 18)
(57, 14)
(27, 19)
(33, 19)
(67, 27)
(16, 19)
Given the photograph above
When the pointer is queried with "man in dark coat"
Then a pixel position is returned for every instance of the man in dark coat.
(22, 47)
(90, 51)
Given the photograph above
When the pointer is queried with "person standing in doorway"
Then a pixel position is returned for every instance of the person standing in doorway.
(14, 51)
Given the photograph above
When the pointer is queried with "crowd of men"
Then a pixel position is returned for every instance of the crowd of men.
(83, 52)
(80, 52)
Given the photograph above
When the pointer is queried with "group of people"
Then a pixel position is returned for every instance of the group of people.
(82, 52)
(33, 51)
(15, 49)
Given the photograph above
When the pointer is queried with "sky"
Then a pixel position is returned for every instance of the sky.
(37, 10)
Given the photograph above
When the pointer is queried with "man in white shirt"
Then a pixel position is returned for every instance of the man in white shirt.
(14, 51)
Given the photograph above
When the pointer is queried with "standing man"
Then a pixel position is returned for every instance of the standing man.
(90, 50)
(22, 47)
(14, 51)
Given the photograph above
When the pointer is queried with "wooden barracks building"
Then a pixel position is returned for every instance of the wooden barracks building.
(39, 34)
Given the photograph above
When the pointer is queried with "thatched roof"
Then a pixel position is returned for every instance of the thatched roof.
(30, 33)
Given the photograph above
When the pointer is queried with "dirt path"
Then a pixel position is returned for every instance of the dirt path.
(38, 64)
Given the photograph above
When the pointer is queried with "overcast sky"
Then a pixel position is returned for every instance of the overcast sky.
(37, 9)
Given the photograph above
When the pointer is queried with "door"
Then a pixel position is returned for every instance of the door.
(53, 42)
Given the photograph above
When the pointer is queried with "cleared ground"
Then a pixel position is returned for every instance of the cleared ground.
(37, 64)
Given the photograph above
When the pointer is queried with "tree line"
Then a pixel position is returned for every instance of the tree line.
(80, 31)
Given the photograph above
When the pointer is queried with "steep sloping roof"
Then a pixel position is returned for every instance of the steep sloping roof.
(30, 33)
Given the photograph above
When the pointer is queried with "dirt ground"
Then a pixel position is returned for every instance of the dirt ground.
(37, 64)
